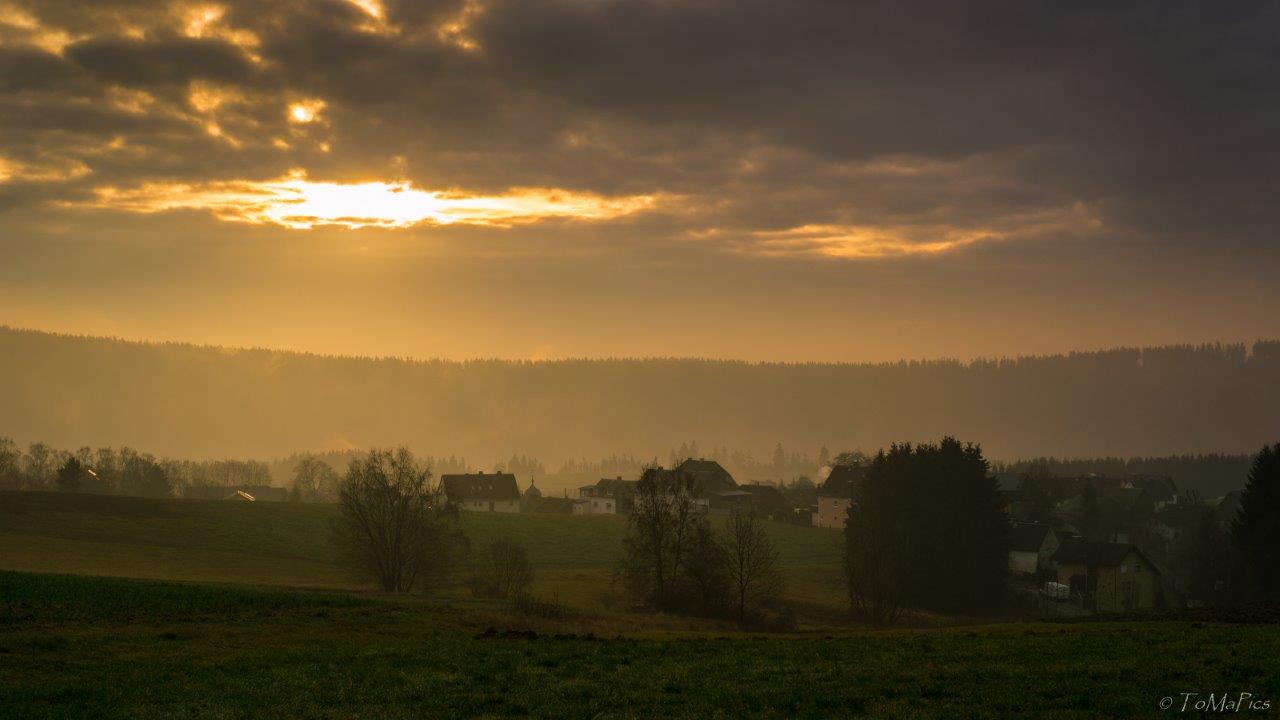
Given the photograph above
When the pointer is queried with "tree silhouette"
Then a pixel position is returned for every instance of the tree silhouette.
(927, 529)
(1255, 530)
(71, 476)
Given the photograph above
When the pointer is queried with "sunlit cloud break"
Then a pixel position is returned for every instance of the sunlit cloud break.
(301, 204)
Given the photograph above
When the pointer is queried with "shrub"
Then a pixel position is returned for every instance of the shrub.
(503, 570)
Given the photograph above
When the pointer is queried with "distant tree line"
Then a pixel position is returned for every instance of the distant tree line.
(261, 403)
(117, 471)
(1211, 475)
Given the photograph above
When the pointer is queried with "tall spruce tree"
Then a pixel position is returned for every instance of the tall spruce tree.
(1255, 530)
(936, 511)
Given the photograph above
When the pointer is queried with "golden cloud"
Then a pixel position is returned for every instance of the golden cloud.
(26, 29)
(297, 203)
(54, 170)
(864, 241)
(858, 241)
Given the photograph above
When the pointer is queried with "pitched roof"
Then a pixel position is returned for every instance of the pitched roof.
(1075, 551)
(766, 492)
(843, 481)
(708, 475)
(480, 486)
(1028, 537)
(615, 487)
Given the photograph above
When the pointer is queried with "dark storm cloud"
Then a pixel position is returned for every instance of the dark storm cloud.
(169, 61)
(1149, 121)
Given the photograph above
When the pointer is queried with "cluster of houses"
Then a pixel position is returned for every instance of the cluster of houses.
(1047, 547)
(1136, 523)
(714, 490)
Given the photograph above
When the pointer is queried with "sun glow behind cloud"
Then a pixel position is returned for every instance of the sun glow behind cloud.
(298, 203)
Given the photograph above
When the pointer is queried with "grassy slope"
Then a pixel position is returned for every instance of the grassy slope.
(289, 544)
(80, 647)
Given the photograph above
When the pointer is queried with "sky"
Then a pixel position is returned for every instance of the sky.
(799, 180)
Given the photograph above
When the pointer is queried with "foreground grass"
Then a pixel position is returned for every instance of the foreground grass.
(246, 653)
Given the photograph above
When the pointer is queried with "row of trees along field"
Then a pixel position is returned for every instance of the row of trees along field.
(117, 471)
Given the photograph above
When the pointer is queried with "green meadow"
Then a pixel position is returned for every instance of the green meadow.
(226, 610)
(290, 545)
(73, 647)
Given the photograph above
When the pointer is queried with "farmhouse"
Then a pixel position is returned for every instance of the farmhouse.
(609, 496)
(836, 495)
(705, 476)
(1031, 545)
(496, 492)
(1108, 577)
(708, 483)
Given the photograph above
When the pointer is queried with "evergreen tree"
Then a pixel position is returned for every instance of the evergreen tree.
(1255, 530)
(1090, 513)
(927, 530)
(71, 476)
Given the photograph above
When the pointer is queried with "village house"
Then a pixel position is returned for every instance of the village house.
(494, 492)
(709, 484)
(609, 496)
(705, 476)
(1108, 577)
(835, 496)
(1031, 545)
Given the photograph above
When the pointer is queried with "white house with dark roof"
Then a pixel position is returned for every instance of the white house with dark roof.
(835, 496)
(482, 492)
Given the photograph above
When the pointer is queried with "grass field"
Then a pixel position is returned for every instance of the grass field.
(289, 544)
(75, 647)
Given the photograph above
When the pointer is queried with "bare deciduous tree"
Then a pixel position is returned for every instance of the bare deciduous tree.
(314, 481)
(752, 564)
(393, 524)
(503, 570)
(663, 521)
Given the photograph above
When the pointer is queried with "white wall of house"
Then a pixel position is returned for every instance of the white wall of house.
(832, 512)
(507, 506)
(595, 505)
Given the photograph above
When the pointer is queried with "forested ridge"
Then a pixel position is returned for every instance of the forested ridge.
(198, 401)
